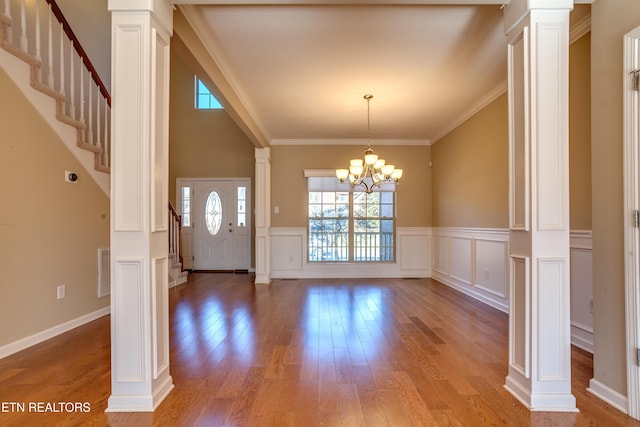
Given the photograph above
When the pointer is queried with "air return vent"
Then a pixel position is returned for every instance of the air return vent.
(104, 278)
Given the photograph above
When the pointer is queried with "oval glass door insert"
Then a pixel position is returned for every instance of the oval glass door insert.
(213, 213)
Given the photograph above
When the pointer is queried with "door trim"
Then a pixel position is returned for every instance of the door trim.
(238, 181)
(631, 234)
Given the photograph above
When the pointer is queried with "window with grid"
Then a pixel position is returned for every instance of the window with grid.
(328, 226)
(373, 226)
(349, 226)
(186, 205)
(204, 98)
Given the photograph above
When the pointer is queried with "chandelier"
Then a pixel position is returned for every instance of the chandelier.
(372, 171)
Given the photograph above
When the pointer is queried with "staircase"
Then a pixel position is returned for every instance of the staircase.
(177, 275)
(37, 33)
(42, 55)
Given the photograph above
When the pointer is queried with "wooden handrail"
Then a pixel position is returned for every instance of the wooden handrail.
(178, 219)
(76, 44)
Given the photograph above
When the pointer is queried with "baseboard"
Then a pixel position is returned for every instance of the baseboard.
(467, 290)
(582, 336)
(39, 337)
(610, 396)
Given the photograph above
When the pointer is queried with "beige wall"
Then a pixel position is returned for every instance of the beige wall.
(580, 133)
(289, 187)
(470, 164)
(91, 23)
(50, 230)
(610, 21)
(202, 143)
(470, 171)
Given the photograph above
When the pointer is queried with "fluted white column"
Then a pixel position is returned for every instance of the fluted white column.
(140, 378)
(263, 215)
(539, 330)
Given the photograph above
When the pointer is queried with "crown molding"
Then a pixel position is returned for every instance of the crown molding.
(341, 141)
(579, 29)
(475, 108)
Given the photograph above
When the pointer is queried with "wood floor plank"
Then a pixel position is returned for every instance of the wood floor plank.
(347, 352)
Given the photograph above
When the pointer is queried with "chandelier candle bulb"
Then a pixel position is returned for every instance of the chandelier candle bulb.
(342, 174)
(372, 172)
(370, 159)
(387, 170)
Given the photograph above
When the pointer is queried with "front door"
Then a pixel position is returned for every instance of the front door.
(213, 218)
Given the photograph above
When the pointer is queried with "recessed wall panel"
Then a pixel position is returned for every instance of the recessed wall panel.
(414, 250)
(441, 254)
(128, 132)
(491, 266)
(160, 288)
(286, 252)
(159, 143)
(518, 139)
(461, 259)
(551, 305)
(519, 314)
(129, 295)
(551, 133)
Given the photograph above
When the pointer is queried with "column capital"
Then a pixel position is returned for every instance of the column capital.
(263, 154)
(518, 10)
(161, 10)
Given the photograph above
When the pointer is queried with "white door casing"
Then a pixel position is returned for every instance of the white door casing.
(222, 243)
(632, 203)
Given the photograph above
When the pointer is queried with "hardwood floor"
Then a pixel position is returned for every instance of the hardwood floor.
(302, 353)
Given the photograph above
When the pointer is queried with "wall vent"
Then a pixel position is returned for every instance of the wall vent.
(104, 269)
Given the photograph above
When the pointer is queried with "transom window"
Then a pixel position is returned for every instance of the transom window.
(351, 226)
(204, 98)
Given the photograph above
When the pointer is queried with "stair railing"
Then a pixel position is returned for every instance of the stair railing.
(37, 32)
(175, 235)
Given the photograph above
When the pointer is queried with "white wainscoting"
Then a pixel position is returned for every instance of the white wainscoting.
(289, 257)
(581, 290)
(473, 261)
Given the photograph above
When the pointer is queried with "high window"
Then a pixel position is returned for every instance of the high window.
(349, 226)
(204, 99)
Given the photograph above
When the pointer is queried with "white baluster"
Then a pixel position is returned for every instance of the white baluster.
(72, 83)
(7, 15)
(105, 144)
(62, 62)
(90, 138)
(50, 53)
(82, 103)
(24, 44)
(38, 55)
(98, 134)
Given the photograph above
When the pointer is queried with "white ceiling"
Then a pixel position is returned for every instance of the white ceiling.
(301, 70)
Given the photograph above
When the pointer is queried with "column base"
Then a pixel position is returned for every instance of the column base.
(141, 402)
(262, 279)
(544, 402)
